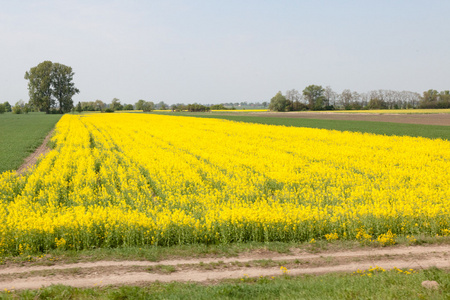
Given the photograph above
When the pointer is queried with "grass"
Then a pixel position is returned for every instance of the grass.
(379, 285)
(160, 253)
(20, 135)
(382, 128)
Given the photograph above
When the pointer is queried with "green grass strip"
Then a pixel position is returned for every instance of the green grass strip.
(382, 128)
(382, 285)
(20, 135)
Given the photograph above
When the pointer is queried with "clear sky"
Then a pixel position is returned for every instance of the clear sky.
(225, 51)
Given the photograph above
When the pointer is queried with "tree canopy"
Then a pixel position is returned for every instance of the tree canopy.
(278, 102)
(50, 83)
(314, 95)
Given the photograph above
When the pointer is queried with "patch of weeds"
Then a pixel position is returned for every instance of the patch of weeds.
(265, 263)
(167, 269)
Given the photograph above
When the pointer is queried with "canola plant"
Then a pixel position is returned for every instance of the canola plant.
(140, 179)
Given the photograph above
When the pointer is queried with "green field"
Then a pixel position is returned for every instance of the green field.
(20, 135)
(384, 128)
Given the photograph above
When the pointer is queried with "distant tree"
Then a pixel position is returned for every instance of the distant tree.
(26, 108)
(87, 106)
(278, 102)
(128, 107)
(314, 95)
(2, 108)
(197, 108)
(40, 86)
(8, 107)
(264, 104)
(330, 98)
(429, 99)
(115, 104)
(17, 108)
(63, 87)
(444, 99)
(218, 107)
(293, 97)
(148, 106)
(161, 105)
(79, 108)
(140, 104)
(435, 99)
(376, 103)
(346, 98)
(49, 83)
(99, 105)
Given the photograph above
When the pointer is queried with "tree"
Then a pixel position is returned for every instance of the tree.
(161, 105)
(128, 107)
(50, 82)
(278, 102)
(330, 97)
(17, 108)
(63, 87)
(346, 98)
(314, 96)
(26, 108)
(99, 105)
(376, 103)
(115, 104)
(79, 108)
(293, 97)
(40, 86)
(2, 108)
(8, 107)
(148, 106)
(140, 104)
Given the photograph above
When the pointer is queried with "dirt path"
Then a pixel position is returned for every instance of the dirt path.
(426, 119)
(210, 270)
(32, 159)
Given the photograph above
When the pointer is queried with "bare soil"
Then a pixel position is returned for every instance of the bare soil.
(32, 159)
(212, 270)
(425, 119)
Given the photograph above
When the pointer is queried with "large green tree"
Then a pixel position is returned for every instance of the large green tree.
(63, 87)
(40, 86)
(314, 95)
(49, 83)
(8, 107)
(140, 104)
(278, 102)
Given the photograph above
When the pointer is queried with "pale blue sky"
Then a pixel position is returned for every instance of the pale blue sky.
(225, 51)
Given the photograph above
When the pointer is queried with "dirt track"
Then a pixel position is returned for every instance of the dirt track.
(426, 119)
(210, 270)
(32, 159)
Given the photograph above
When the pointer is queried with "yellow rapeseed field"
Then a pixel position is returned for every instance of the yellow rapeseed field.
(139, 179)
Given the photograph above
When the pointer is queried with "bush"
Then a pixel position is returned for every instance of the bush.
(109, 110)
(17, 109)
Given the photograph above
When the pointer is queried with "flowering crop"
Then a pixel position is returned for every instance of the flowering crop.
(138, 179)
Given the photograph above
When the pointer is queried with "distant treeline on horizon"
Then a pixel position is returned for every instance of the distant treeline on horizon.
(313, 97)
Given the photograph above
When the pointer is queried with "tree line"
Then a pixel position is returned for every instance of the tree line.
(315, 97)
(51, 88)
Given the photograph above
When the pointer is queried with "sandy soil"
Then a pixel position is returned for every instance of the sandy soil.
(426, 119)
(211, 270)
(32, 159)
